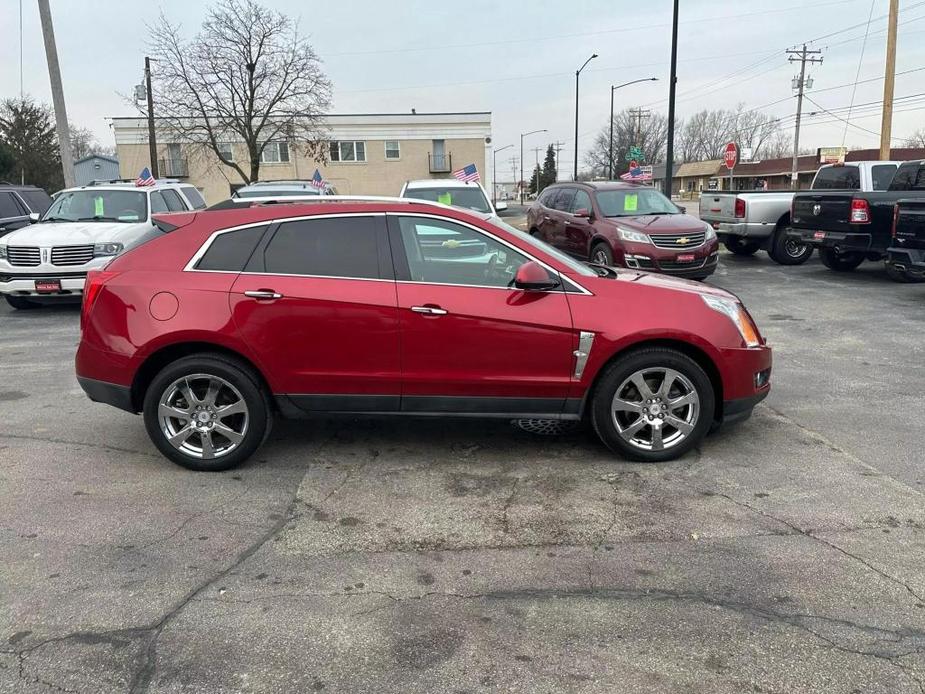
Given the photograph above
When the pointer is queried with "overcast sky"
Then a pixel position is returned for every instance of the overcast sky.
(517, 59)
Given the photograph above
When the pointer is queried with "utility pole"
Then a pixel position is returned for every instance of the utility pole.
(57, 94)
(672, 84)
(558, 147)
(800, 85)
(886, 124)
(152, 140)
(637, 115)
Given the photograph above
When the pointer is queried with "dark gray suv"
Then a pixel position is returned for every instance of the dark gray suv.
(20, 206)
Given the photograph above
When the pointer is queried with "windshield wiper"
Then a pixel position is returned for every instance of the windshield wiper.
(98, 218)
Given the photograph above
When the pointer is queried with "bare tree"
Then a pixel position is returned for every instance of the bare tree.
(705, 134)
(84, 143)
(916, 139)
(248, 76)
(651, 137)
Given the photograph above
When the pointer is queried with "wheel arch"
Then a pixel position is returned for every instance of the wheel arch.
(601, 238)
(689, 349)
(160, 358)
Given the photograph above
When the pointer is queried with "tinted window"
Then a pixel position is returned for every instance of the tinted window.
(563, 200)
(9, 206)
(838, 178)
(158, 204)
(882, 175)
(909, 176)
(174, 204)
(446, 253)
(231, 251)
(581, 201)
(548, 196)
(195, 199)
(38, 200)
(335, 247)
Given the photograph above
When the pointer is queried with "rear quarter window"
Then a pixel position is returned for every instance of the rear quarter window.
(197, 202)
(882, 175)
(230, 251)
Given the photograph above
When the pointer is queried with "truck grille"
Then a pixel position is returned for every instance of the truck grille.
(71, 255)
(674, 241)
(23, 256)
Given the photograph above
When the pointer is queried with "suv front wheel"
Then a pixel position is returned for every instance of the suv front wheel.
(207, 412)
(653, 405)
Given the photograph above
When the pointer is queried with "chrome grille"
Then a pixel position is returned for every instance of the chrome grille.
(71, 255)
(673, 241)
(23, 256)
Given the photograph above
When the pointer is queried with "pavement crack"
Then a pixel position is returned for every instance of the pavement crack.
(505, 520)
(97, 445)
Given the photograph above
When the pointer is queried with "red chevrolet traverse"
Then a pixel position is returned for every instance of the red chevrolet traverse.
(228, 318)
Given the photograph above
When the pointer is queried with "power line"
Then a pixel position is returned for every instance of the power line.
(857, 74)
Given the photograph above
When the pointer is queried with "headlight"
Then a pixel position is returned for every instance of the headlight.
(736, 313)
(710, 233)
(104, 249)
(630, 235)
(2, 252)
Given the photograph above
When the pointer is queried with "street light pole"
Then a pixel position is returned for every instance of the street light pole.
(494, 173)
(522, 136)
(673, 83)
(612, 90)
(577, 73)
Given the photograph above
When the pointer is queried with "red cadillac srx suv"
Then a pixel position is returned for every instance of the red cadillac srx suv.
(231, 317)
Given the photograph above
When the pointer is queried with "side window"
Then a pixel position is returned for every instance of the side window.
(231, 251)
(882, 175)
(157, 203)
(547, 196)
(195, 198)
(325, 247)
(837, 178)
(563, 200)
(442, 252)
(174, 203)
(581, 201)
(9, 206)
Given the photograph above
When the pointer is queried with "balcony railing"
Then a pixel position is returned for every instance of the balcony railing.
(172, 168)
(440, 163)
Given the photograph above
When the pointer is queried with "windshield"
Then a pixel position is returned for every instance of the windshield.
(99, 205)
(569, 262)
(267, 192)
(634, 202)
(468, 198)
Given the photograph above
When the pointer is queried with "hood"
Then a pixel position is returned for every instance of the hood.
(74, 233)
(652, 279)
(660, 223)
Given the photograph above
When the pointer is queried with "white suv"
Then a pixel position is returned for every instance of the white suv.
(82, 230)
(450, 191)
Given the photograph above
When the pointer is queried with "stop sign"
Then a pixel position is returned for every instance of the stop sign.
(731, 155)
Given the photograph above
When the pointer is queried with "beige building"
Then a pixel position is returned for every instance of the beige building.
(369, 154)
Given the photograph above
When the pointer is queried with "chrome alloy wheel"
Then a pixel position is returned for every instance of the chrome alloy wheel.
(600, 257)
(655, 409)
(203, 416)
(794, 248)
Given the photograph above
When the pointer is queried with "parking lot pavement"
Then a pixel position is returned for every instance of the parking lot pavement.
(362, 555)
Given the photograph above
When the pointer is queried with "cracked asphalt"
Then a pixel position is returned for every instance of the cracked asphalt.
(364, 555)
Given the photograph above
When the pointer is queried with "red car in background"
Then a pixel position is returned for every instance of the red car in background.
(232, 317)
(624, 224)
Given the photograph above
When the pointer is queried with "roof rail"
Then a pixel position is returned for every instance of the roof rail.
(316, 199)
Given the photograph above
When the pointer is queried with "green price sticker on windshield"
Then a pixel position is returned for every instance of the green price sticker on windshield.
(630, 203)
(445, 198)
(98, 210)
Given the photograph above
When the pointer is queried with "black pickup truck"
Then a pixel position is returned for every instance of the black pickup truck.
(905, 260)
(849, 227)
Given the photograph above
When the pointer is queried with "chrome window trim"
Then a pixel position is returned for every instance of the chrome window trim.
(479, 230)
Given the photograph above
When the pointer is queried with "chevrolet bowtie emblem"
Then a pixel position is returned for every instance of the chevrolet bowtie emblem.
(683, 241)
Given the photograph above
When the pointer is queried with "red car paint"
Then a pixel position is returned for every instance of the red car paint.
(329, 336)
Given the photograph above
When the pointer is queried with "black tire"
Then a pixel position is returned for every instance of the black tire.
(601, 254)
(615, 376)
(739, 246)
(20, 303)
(840, 262)
(785, 251)
(234, 372)
(901, 276)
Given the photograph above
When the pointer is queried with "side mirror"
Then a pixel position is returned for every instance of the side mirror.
(34, 217)
(682, 209)
(583, 213)
(533, 277)
(500, 206)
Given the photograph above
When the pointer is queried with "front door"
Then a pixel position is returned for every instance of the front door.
(470, 341)
(317, 307)
(13, 215)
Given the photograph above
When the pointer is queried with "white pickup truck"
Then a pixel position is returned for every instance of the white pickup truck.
(746, 221)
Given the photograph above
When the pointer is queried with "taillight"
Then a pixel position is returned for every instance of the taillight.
(860, 212)
(740, 208)
(94, 283)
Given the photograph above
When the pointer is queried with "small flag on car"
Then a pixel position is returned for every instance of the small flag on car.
(317, 180)
(467, 174)
(145, 178)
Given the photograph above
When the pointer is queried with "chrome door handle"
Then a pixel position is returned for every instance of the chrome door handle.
(429, 310)
(263, 294)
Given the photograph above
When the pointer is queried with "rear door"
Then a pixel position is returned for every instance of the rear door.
(558, 216)
(578, 230)
(470, 341)
(317, 306)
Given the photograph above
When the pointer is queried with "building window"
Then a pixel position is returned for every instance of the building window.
(392, 149)
(225, 150)
(275, 153)
(348, 150)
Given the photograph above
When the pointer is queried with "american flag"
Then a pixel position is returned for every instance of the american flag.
(467, 174)
(145, 178)
(317, 180)
(638, 173)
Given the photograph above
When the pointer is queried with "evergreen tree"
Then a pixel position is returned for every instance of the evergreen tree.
(27, 130)
(549, 175)
(536, 180)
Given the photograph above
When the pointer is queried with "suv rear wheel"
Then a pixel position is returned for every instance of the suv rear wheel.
(740, 246)
(207, 412)
(840, 262)
(653, 405)
(20, 303)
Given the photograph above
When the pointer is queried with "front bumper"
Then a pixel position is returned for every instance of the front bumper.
(912, 260)
(699, 267)
(739, 410)
(844, 241)
(23, 284)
